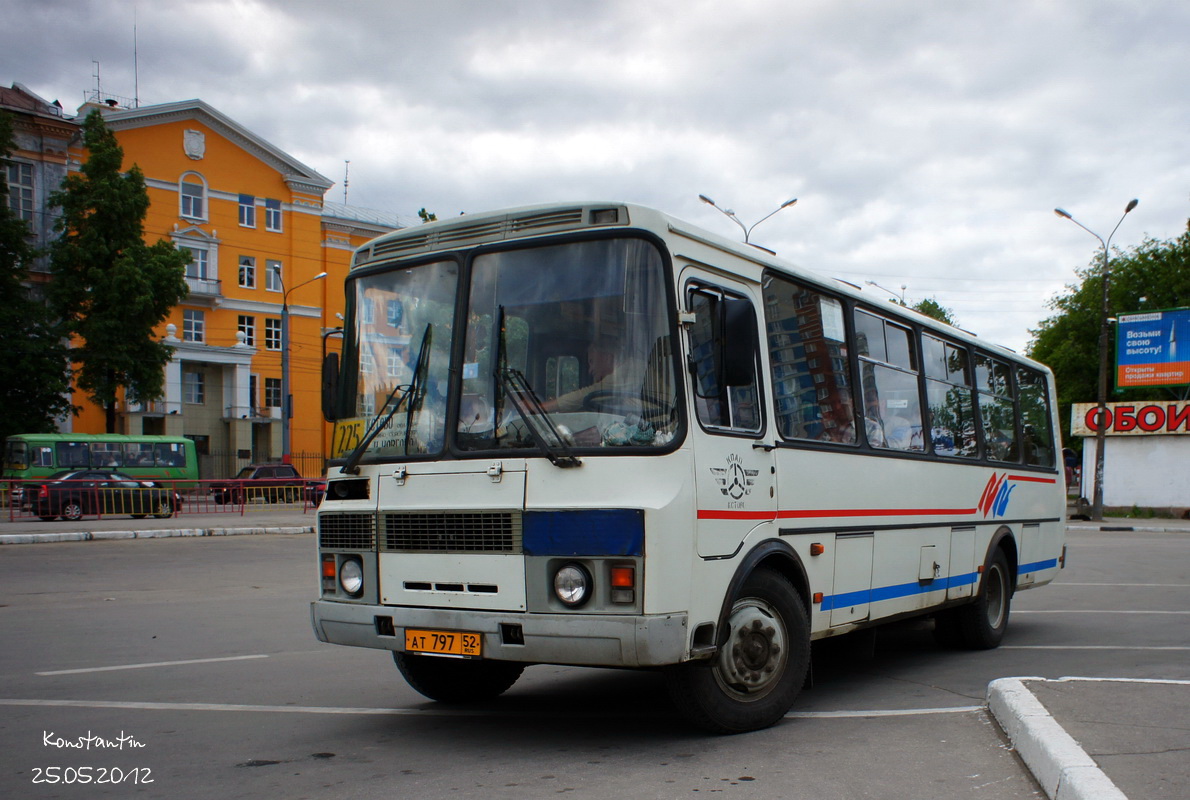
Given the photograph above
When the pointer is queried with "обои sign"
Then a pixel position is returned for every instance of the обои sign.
(1132, 419)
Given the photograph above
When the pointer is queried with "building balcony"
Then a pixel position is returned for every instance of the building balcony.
(209, 289)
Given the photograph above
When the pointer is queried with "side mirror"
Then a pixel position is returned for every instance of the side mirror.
(330, 387)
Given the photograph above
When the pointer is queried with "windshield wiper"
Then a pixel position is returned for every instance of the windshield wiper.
(414, 391)
(512, 384)
(524, 399)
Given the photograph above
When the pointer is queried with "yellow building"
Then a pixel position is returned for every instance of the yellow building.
(260, 235)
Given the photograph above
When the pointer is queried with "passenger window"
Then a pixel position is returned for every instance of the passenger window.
(950, 408)
(1037, 434)
(808, 352)
(888, 375)
(723, 351)
(996, 408)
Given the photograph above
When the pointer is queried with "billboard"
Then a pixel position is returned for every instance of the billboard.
(1147, 349)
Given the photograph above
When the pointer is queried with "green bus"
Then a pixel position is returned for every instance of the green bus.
(39, 455)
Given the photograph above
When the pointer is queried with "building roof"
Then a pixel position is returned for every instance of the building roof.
(293, 170)
(371, 216)
(20, 98)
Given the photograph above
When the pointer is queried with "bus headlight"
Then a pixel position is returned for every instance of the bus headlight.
(572, 585)
(351, 576)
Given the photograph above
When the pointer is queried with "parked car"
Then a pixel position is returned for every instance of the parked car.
(275, 483)
(73, 494)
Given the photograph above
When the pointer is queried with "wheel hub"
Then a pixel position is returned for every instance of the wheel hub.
(755, 652)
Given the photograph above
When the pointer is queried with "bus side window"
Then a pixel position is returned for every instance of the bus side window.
(43, 456)
(996, 409)
(1037, 435)
(723, 349)
(73, 455)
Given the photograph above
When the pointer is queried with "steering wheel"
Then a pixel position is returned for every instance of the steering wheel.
(611, 401)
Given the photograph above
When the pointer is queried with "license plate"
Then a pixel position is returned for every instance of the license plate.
(449, 643)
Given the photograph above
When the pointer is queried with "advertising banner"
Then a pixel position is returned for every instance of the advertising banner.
(1147, 349)
(1156, 418)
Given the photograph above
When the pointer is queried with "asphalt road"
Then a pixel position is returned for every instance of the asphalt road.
(193, 661)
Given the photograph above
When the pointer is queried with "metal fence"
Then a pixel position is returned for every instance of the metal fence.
(40, 498)
(220, 464)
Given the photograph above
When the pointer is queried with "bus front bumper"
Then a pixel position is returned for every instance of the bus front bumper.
(577, 639)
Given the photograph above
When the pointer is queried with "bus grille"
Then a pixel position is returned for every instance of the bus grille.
(452, 532)
(347, 531)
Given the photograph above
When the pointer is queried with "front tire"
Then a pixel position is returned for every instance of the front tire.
(757, 674)
(452, 680)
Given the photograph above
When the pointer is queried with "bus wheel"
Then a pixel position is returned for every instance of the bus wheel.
(452, 680)
(982, 623)
(756, 675)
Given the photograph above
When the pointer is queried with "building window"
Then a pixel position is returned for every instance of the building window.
(247, 326)
(20, 189)
(272, 392)
(272, 333)
(247, 211)
(193, 194)
(272, 215)
(272, 275)
(193, 325)
(194, 389)
(247, 272)
(198, 266)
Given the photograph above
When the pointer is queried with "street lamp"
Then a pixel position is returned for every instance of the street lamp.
(731, 214)
(286, 397)
(890, 291)
(1104, 333)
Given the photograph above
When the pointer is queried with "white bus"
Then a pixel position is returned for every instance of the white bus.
(593, 434)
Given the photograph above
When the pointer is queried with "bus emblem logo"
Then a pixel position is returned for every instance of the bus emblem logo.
(734, 480)
(996, 495)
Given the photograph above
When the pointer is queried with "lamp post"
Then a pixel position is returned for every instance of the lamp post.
(286, 398)
(731, 214)
(1104, 335)
(890, 291)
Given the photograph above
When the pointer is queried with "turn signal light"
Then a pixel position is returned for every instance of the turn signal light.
(328, 567)
(623, 577)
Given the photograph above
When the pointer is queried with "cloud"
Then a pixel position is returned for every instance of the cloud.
(927, 142)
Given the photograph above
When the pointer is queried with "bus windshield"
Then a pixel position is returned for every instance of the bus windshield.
(569, 338)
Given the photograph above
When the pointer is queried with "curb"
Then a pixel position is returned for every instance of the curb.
(1057, 761)
(165, 533)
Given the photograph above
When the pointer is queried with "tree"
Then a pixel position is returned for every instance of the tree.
(34, 372)
(427, 216)
(932, 308)
(109, 287)
(1153, 275)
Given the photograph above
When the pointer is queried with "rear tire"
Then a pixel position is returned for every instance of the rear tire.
(165, 509)
(983, 622)
(72, 510)
(757, 674)
(452, 680)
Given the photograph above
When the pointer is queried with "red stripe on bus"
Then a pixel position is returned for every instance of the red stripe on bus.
(1031, 479)
(834, 512)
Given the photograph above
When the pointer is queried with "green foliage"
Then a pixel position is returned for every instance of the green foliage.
(932, 308)
(1068, 341)
(109, 287)
(426, 216)
(34, 376)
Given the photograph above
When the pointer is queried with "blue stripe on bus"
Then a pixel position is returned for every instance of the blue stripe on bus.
(865, 596)
(593, 532)
(1049, 563)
